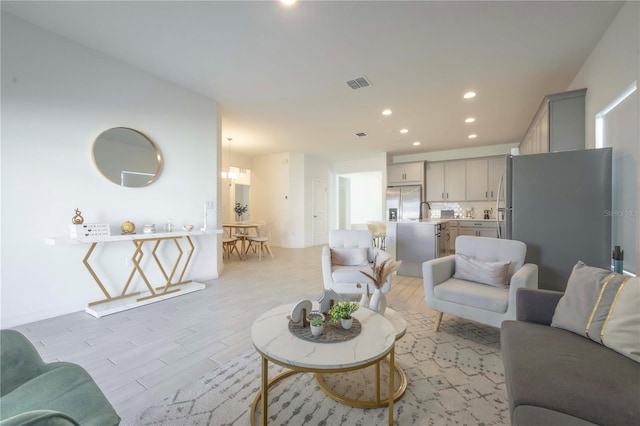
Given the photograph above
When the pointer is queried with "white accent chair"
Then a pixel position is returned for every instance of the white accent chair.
(347, 279)
(475, 301)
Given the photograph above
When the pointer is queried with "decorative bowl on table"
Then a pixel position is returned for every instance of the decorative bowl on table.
(187, 227)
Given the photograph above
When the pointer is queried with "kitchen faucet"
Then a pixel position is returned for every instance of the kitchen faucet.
(428, 209)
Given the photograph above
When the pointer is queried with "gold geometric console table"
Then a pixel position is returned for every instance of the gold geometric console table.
(174, 283)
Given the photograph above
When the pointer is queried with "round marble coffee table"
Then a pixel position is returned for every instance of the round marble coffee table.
(274, 342)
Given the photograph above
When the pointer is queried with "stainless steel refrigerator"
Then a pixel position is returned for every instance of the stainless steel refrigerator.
(556, 204)
(403, 202)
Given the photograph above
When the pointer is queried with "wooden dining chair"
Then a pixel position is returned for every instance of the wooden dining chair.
(260, 242)
(229, 245)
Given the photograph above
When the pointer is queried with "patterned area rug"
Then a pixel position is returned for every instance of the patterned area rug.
(455, 377)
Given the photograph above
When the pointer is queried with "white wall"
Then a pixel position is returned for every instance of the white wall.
(57, 97)
(611, 68)
(612, 65)
(270, 195)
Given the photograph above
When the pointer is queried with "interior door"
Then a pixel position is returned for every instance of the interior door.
(319, 209)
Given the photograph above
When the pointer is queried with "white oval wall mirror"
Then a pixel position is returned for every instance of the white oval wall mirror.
(127, 157)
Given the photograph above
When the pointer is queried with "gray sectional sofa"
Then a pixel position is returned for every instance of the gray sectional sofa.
(556, 377)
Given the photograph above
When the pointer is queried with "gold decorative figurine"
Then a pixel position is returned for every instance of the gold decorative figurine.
(77, 219)
(128, 228)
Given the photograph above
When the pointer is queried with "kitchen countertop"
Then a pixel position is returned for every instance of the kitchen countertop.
(435, 221)
(432, 221)
(475, 220)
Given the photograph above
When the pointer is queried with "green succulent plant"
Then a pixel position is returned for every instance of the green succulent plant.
(317, 321)
(343, 310)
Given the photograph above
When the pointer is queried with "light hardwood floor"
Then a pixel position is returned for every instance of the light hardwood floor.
(139, 356)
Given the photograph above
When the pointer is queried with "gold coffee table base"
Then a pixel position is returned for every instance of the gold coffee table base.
(358, 403)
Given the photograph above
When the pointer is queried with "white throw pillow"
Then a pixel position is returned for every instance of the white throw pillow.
(602, 306)
(357, 256)
(495, 274)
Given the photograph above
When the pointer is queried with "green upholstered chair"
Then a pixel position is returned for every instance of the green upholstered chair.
(33, 392)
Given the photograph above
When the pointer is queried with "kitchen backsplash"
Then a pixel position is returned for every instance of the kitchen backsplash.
(460, 209)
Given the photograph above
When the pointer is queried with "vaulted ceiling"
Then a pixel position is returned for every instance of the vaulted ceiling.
(279, 73)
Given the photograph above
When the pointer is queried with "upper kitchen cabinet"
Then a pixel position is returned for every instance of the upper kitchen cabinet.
(559, 124)
(446, 181)
(483, 178)
(405, 174)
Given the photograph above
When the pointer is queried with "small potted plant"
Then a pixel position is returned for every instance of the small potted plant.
(317, 325)
(342, 311)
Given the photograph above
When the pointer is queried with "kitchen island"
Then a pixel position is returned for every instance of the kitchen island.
(416, 241)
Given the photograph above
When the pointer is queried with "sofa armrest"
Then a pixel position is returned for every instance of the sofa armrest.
(537, 306)
(20, 361)
(326, 267)
(437, 271)
(40, 418)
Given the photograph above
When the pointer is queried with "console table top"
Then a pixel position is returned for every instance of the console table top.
(52, 241)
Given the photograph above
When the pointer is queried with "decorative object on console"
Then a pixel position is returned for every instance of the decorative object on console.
(77, 219)
(299, 313)
(388, 266)
(168, 226)
(89, 231)
(128, 228)
(187, 228)
(149, 229)
(342, 311)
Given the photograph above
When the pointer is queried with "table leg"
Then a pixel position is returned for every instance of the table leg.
(265, 387)
(378, 383)
(392, 375)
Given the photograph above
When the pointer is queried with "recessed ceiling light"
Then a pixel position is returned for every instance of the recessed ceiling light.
(416, 143)
(288, 2)
(473, 136)
(470, 120)
(469, 95)
(404, 130)
(386, 112)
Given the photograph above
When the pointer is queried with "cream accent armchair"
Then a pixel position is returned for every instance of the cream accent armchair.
(472, 300)
(346, 278)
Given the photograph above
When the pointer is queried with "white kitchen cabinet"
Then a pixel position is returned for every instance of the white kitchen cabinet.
(477, 179)
(435, 181)
(483, 177)
(484, 228)
(405, 174)
(558, 125)
(496, 170)
(446, 181)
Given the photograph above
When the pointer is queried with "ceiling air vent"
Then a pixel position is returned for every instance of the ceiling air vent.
(361, 134)
(358, 83)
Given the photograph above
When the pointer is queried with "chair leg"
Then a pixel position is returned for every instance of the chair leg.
(266, 246)
(436, 327)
